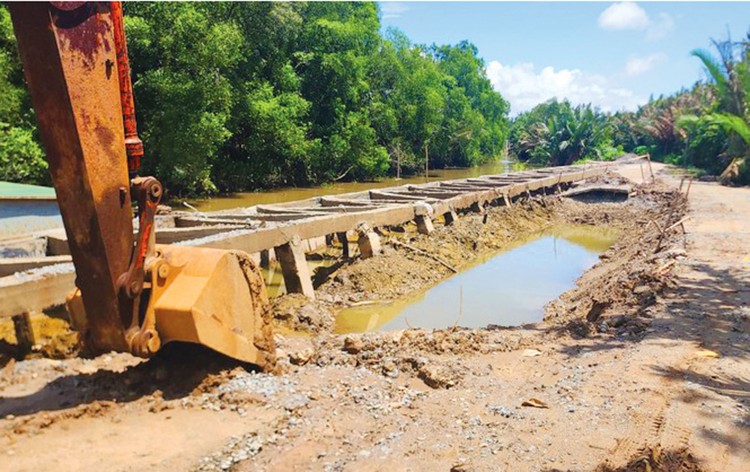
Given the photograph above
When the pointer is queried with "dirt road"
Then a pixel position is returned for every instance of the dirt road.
(646, 363)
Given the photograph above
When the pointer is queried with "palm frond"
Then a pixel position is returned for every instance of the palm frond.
(733, 123)
(714, 70)
(687, 121)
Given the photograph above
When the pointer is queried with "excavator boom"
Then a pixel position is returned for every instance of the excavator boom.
(131, 295)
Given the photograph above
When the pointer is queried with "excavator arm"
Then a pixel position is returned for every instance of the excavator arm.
(131, 295)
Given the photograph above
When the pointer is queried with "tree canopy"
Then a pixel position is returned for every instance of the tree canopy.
(237, 96)
(706, 127)
(557, 133)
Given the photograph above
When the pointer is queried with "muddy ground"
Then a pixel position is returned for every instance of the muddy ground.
(643, 366)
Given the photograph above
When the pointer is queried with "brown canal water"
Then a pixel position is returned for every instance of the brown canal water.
(508, 288)
(290, 194)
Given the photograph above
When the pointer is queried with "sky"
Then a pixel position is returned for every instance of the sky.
(613, 55)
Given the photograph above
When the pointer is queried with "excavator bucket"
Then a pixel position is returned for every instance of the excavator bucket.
(212, 297)
(132, 295)
(216, 298)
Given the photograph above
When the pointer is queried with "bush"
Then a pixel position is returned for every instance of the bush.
(21, 157)
(672, 159)
(608, 152)
(707, 147)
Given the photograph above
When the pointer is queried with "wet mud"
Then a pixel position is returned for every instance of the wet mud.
(488, 398)
(402, 274)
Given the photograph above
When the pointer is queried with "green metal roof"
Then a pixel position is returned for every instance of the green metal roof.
(14, 190)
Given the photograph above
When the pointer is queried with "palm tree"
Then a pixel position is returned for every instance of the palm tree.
(659, 123)
(555, 133)
(730, 75)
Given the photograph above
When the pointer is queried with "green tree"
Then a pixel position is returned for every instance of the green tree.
(21, 156)
(486, 125)
(270, 146)
(182, 55)
(556, 133)
(729, 75)
(331, 57)
(270, 143)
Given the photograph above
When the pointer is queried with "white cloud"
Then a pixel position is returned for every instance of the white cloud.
(524, 88)
(629, 16)
(661, 28)
(393, 9)
(637, 65)
(624, 16)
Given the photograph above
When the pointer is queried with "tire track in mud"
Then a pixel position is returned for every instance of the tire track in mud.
(672, 435)
(653, 425)
(645, 428)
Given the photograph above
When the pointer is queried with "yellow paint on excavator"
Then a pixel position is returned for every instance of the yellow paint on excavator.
(206, 296)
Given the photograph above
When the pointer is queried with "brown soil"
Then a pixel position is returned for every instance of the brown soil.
(644, 366)
(656, 459)
(403, 268)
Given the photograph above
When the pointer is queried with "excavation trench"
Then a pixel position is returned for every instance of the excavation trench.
(509, 287)
(508, 265)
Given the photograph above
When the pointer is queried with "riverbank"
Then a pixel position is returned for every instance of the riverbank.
(645, 362)
(290, 194)
(412, 262)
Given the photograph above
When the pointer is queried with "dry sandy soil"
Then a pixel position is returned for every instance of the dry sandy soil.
(644, 366)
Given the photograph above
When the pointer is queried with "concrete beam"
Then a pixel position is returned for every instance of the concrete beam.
(258, 239)
(173, 235)
(35, 291)
(265, 260)
(344, 240)
(369, 241)
(423, 217)
(25, 246)
(191, 222)
(20, 264)
(344, 202)
(393, 196)
(57, 243)
(294, 268)
(24, 333)
(424, 224)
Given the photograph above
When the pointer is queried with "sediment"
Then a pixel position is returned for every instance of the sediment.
(550, 395)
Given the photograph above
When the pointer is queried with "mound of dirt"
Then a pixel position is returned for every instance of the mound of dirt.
(654, 459)
(633, 272)
(296, 312)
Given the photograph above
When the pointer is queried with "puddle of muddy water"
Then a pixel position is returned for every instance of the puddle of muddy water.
(509, 288)
(275, 279)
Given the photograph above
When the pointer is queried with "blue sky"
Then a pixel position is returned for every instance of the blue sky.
(614, 55)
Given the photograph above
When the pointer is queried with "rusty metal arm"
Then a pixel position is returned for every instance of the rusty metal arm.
(131, 295)
(69, 60)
